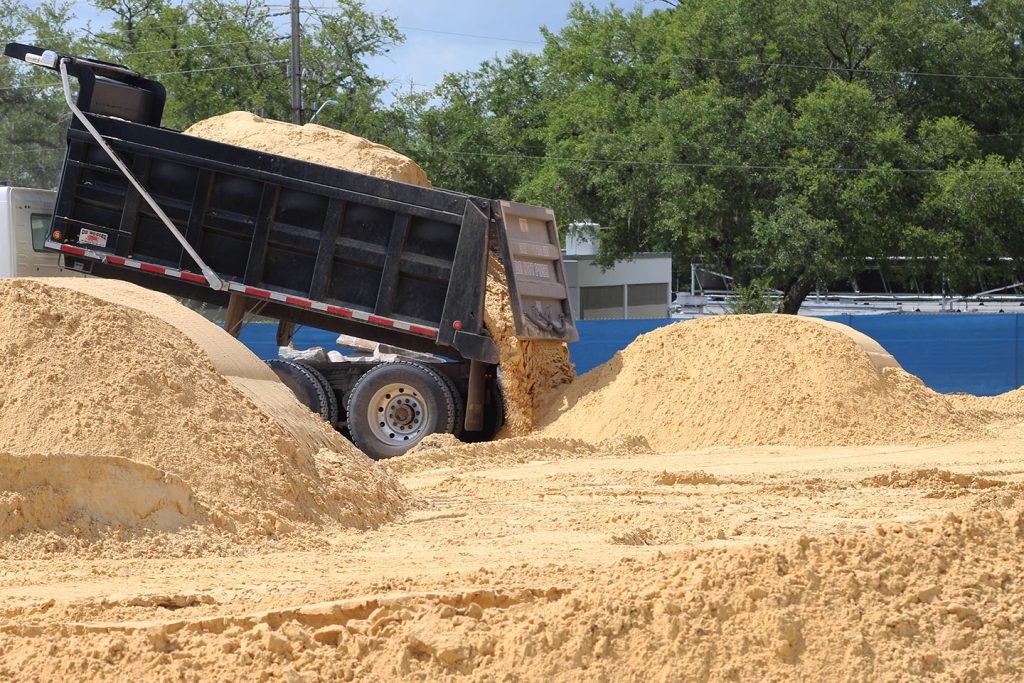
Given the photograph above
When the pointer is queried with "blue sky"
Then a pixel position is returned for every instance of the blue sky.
(426, 56)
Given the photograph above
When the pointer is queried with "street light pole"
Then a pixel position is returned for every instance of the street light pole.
(328, 103)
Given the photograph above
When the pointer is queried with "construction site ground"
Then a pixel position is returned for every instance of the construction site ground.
(737, 498)
(486, 534)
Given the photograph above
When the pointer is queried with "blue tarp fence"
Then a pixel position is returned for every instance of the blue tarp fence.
(979, 354)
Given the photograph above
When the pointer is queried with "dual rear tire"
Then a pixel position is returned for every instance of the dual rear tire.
(394, 405)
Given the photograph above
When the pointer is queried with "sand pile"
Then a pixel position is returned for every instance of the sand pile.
(111, 416)
(753, 380)
(529, 368)
(313, 143)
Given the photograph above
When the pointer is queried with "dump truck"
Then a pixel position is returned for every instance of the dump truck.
(305, 244)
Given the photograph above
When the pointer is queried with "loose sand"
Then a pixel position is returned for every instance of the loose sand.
(723, 564)
(529, 368)
(754, 380)
(743, 498)
(313, 143)
(111, 417)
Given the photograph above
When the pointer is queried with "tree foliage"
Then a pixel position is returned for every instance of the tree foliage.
(789, 140)
(213, 56)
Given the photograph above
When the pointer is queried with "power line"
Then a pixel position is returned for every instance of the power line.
(36, 150)
(741, 62)
(693, 58)
(658, 164)
(72, 3)
(715, 60)
(698, 164)
(220, 68)
(186, 48)
(165, 73)
(150, 27)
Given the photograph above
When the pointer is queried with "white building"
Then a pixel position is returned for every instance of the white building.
(638, 288)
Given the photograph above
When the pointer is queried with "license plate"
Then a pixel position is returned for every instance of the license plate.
(92, 238)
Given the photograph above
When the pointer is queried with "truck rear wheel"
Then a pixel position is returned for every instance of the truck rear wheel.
(309, 386)
(494, 415)
(394, 405)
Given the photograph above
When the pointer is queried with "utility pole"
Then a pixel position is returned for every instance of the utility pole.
(296, 65)
(286, 328)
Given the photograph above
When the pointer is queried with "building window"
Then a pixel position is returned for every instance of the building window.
(648, 301)
(597, 303)
(648, 295)
(40, 229)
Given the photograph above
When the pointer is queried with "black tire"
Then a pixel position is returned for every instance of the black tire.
(408, 400)
(460, 407)
(494, 414)
(309, 386)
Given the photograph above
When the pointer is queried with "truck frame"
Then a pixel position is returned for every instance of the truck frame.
(306, 244)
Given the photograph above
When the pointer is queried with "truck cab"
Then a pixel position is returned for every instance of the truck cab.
(25, 218)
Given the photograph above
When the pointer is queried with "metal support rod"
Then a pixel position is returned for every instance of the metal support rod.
(285, 332)
(234, 318)
(211, 277)
(286, 328)
(296, 65)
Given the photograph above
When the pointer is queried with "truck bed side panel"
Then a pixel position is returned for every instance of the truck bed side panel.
(382, 247)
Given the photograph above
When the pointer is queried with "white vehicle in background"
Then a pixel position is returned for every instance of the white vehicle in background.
(25, 218)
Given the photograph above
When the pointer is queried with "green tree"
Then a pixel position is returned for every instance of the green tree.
(792, 140)
(33, 115)
(478, 132)
(796, 250)
(752, 298)
(213, 56)
(978, 210)
(216, 56)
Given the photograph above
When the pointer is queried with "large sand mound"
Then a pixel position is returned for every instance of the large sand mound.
(529, 368)
(753, 380)
(136, 426)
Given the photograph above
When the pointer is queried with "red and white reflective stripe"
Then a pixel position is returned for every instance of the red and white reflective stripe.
(332, 309)
(127, 262)
(244, 289)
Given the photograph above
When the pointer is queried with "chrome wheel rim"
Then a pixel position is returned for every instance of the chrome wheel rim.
(398, 414)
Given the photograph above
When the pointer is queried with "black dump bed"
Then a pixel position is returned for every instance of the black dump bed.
(338, 250)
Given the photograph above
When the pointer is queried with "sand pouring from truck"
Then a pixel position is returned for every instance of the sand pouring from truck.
(305, 244)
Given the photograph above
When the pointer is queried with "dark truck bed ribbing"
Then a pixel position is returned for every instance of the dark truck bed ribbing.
(372, 258)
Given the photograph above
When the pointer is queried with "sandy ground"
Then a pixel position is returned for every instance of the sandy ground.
(614, 539)
(535, 530)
